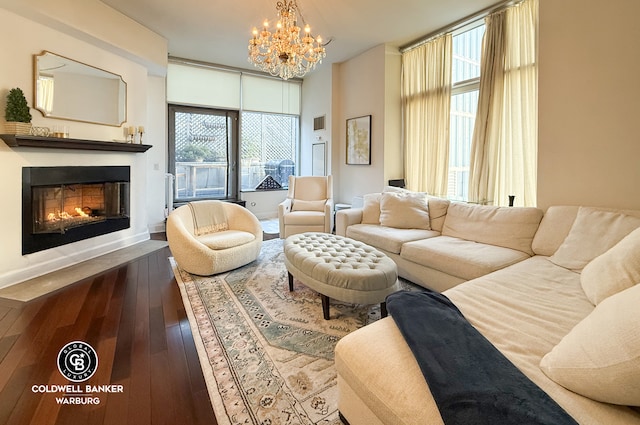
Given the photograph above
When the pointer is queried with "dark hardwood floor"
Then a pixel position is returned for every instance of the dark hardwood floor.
(133, 316)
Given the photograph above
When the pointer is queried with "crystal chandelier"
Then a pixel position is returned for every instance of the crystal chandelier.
(284, 53)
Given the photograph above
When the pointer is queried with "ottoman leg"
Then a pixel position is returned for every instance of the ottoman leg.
(325, 306)
(383, 309)
(290, 281)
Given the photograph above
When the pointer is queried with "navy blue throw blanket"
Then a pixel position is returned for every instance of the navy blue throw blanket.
(471, 382)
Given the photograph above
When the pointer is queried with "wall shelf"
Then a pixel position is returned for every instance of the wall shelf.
(20, 141)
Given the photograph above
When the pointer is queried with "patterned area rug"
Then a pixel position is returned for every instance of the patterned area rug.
(267, 353)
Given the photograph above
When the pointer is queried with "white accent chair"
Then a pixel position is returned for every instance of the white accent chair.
(214, 252)
(308, 207)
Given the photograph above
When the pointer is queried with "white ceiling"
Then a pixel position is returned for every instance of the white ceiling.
(218, 32)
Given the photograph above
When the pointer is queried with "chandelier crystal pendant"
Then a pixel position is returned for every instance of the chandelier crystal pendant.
(284, 53)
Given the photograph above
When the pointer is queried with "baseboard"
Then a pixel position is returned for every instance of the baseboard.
(158, 228)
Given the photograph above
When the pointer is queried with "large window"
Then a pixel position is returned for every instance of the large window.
(268, 147)
(470, 110)
(204, 145)
(204, 151)
(465, 79)
(244, 128)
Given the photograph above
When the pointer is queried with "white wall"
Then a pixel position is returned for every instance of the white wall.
(360, 92)
(263, 203)
(393, 152)
(367, 85)
(589, 103)
(38, 30)
(316, 102)
(157, 156)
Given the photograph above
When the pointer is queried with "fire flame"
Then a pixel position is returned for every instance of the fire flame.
(81, 213)
(63, 215)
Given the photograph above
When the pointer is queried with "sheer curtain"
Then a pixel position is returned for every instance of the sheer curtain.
(504, 145)
(426, 99)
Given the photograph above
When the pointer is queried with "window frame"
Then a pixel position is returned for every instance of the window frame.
(233, 150)
(458, 88)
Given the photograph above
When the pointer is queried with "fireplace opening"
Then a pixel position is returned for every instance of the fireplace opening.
(62, 205)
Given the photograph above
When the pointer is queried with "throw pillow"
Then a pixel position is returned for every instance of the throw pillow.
(600, 357)
(592, 234)
(300, 205)
(508, 227)
(371, 208)
(404, 210)
(437, 212)
(614, 271)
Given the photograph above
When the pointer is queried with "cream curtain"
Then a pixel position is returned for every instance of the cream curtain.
(426, 99)
(504, 145)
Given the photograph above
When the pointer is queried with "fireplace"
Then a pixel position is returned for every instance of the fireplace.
(61, 205)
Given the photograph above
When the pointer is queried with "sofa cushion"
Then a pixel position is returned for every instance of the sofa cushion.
(459, 257)
(226, 239)
(593, 232)
(385, 238)
(600, 357)
(370, 360)
(404, 210)
(300, 205)
(554, 228)
(614, 271)
(525, 310)
(371, 208)
(310, 187)
(507, 227)
(437, 212)
(437, 207)
(304, 218)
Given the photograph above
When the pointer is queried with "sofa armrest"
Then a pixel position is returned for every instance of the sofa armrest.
(345, 218)
(284, 207)
(328, 215)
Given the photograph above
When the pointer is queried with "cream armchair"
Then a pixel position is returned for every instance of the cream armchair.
(209, 237)
(308, 207)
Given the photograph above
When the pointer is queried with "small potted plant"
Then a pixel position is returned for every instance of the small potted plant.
(17, 113)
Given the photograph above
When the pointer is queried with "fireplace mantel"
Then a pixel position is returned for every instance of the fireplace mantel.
(19, 141)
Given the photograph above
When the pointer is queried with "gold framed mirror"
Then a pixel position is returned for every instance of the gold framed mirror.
(72, 90)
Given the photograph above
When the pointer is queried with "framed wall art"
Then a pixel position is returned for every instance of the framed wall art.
(359, 140)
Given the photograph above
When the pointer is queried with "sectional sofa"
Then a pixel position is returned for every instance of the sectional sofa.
(556, 293)
(439, 244)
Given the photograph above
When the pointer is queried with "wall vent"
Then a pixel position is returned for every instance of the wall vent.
(318, 123)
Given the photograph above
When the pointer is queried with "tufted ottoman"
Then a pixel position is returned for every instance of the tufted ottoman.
(340, 268)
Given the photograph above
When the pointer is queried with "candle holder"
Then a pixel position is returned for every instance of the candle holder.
(131, 134)
(141, 132)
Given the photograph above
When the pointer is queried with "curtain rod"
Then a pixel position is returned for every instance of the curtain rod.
(459, 24)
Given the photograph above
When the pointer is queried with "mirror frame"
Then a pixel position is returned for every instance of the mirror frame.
(36, 73)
